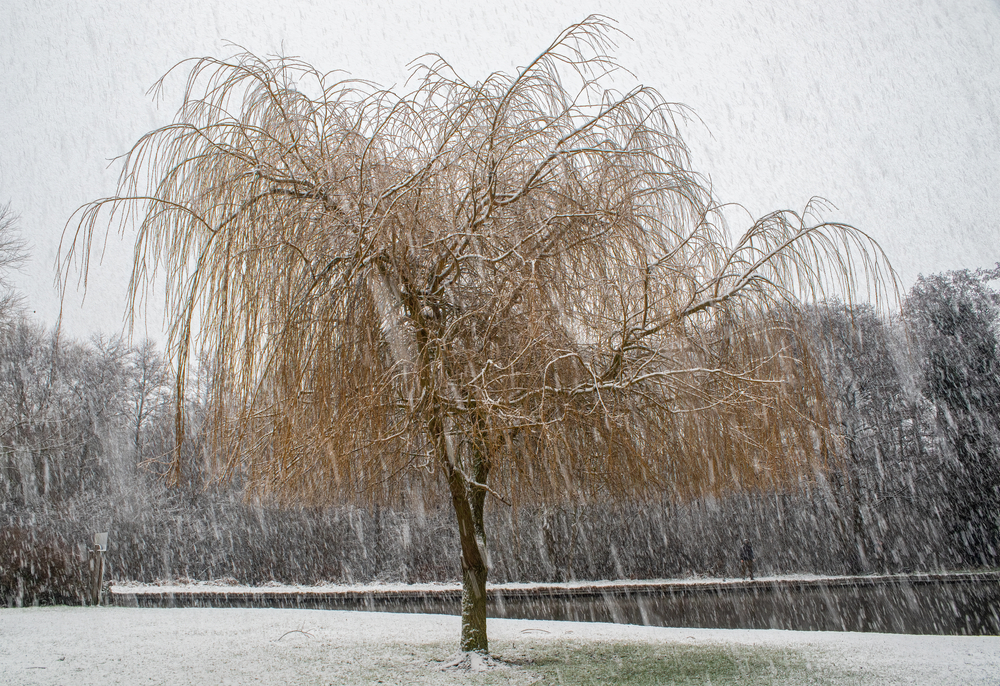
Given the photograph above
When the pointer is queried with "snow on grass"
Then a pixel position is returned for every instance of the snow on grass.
(112, 645)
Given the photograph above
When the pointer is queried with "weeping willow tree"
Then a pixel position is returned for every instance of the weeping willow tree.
(515, 289)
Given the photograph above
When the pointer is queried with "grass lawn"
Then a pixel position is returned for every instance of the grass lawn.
(191, 646)
(642, 664)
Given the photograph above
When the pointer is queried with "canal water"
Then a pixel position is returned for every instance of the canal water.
(943, 604)
(963, 608)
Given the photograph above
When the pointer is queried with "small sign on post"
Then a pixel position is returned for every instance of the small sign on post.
(97, 567)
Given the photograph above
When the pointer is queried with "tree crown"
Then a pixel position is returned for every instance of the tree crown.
(520, 277)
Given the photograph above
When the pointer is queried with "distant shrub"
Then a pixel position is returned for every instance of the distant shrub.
(36, 569)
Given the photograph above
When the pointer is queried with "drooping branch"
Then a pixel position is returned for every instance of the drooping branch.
(530, 260)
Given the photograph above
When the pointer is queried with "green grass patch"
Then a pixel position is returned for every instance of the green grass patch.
(628, 664)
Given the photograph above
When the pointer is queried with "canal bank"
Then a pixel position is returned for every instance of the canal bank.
(942, 603)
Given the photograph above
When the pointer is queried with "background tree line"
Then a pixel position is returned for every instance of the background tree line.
(86, 427)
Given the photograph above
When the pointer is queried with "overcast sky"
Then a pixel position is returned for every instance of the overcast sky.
(890, 110)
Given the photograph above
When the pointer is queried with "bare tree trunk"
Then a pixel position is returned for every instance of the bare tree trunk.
(473, 568)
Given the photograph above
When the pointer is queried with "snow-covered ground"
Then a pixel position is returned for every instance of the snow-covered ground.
(112, 645)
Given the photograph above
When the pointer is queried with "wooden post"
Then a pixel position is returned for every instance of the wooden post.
(97, 567)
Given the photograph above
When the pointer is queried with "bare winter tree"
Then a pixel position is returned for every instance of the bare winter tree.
(515, 288)
(149, 382)
(954, 317)
(13, 254)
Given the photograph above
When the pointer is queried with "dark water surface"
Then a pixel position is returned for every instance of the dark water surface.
(964, 607)
(964, 604)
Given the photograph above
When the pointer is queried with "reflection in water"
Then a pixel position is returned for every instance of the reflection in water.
(961, 604)
(914, 608)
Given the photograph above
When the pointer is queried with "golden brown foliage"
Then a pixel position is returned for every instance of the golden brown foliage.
(518, 279)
